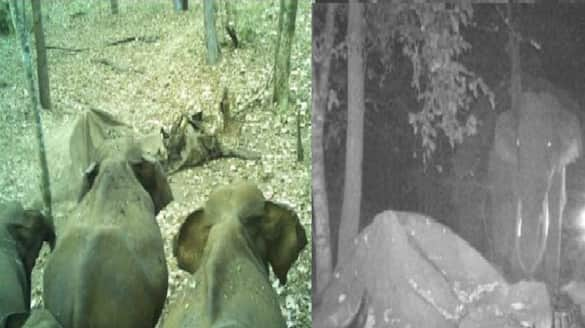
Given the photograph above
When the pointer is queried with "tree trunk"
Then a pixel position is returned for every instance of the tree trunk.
(322, 259)
(6, 26)
(16, 14)
(286, 31)
(181, 5)
(230, 23)
(42, 68)
(300, 150)
(114, 5)
(352, 190)
(210, 33)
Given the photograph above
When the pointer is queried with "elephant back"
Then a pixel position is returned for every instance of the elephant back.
(440, 273)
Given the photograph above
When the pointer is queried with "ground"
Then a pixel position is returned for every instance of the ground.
(148, 83)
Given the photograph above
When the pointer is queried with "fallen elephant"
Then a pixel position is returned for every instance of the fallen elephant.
(227, 246)
(188, 145)
(22, 233)
(407, 270)
(110, 255)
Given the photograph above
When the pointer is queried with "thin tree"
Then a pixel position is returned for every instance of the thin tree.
(17, 14)
(286, 31)
(42, 67)
(230, 22)
(213, 52)
(227, 24)
(114, 6)
(300, 150)
(6, 26)
(181, 5)
(322, 54)
(352, 190)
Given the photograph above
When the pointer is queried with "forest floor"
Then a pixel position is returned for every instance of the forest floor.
(148, 83)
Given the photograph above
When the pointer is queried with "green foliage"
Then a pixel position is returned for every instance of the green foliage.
(300, 61)
(431, 39)
(252, 16)
(5, 20)
(6, 25)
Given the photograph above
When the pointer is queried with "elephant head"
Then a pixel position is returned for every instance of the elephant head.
(122, 160)
(535, 145)
(152, 144)
(111, 254)
(228, 245)
(22, 233)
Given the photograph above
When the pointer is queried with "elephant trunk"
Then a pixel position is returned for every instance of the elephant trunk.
(532, 225)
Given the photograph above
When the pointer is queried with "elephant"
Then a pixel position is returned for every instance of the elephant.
(527, 164)
(22, 233)
(92, 128)
(227, 246)
(110, 255)
(408, 270)
(41, 318)
(72, 148)
(470, 191)
(187, 144)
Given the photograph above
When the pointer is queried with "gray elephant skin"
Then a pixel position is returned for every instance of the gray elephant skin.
(187, 144)
(527, 169)
(408, 270)
(227, 246)
(22, 233)
(470, 193)
(68, 159)
(110, 255)
(41, 318)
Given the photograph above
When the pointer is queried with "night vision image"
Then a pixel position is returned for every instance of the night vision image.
(448, 168)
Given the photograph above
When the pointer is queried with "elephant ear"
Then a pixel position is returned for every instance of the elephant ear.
(18, 228)
(30, 229)
(92, 128)
(505, 138)
(41, 225)
(285, 237)
(152, 177)
(152, 144)
(570, 137)
(189, 243)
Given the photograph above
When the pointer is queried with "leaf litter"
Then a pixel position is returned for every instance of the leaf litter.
(148, 83)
